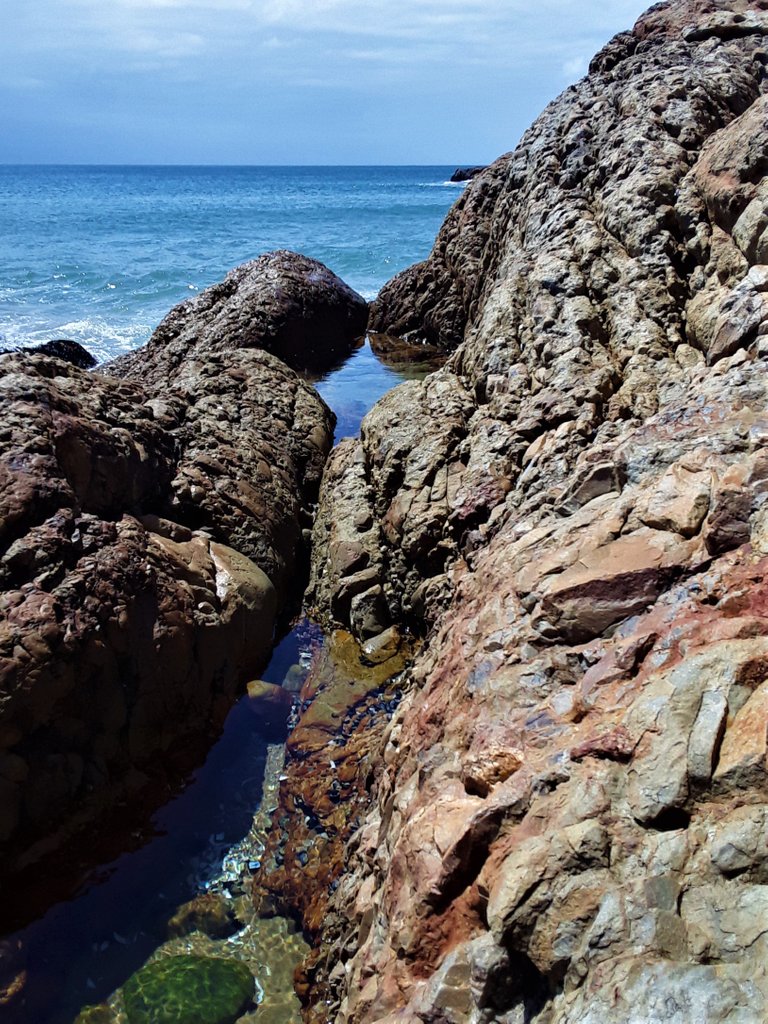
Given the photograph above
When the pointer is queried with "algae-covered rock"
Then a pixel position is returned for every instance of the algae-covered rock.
(188, 990)
(101, 1014)
(210, 913)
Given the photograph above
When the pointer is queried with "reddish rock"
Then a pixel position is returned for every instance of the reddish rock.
(144, 557)
(566, 819)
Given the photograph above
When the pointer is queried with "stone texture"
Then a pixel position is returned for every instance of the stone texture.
(149, 536)
(563, 819)
(584, 276)
(282, 302)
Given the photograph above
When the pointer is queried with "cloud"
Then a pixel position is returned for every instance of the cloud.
(462, 32)
(575, 68)
(279, 66)
(173, 46)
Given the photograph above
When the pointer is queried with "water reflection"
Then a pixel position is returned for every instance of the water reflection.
(367, 375)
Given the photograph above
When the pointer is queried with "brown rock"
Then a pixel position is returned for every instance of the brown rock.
(138, 543)
(282, 302)
(564, 821)
(210, 913)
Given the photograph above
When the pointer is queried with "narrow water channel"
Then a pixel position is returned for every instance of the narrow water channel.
(205, 840)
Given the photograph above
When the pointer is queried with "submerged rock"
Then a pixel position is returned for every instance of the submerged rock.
(101, 1014)
(271, 704)
(282, 302)
(189, 990)
(210, 913)
(346, 699)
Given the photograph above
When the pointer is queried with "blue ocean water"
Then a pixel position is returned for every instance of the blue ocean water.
(100, 254)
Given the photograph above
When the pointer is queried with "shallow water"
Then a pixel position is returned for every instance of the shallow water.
(88, 945)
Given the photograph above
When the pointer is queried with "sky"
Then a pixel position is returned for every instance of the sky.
(288, 81)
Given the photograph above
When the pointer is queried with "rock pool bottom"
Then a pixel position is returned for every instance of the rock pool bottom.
(270, 947)
(205, 843)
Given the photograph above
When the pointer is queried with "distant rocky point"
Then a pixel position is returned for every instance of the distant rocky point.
(467, 173)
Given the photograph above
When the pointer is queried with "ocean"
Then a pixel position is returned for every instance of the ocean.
(100, 254)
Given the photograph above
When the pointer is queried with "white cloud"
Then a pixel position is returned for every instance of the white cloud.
(173, 46)
(510, 27)
(575, 68)
(317, 40)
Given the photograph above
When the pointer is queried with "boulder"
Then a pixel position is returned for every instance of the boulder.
(148, 540)
(284, 303)
(189, 990)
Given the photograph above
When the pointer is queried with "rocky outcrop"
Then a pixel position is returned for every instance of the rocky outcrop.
(282, 302)
(467, 173)
(150, 534)
(585, 276)
(567, 810)
(62, 348)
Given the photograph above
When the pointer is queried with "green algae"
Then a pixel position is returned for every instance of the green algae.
(189, 990)
(101, 1014)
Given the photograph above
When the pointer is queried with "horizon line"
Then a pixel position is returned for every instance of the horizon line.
(245, 166)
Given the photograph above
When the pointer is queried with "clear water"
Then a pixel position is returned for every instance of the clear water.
(100, 255)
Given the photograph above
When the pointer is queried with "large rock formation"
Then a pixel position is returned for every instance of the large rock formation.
(151, 530)
(282, 302)
(568, 810)
(586, 275)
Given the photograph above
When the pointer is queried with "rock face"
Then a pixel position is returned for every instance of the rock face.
(282, 302)
(150, 533)
(567, 811)
(467, 173)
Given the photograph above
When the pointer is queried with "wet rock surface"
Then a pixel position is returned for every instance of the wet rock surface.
(62, 348)
(332, 759)
(150, 533)
(566, 823)
(189, 990)
(282, 302)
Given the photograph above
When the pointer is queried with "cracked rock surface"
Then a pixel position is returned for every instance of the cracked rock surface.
(567, 811)
(151, 530)
(582, 280)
